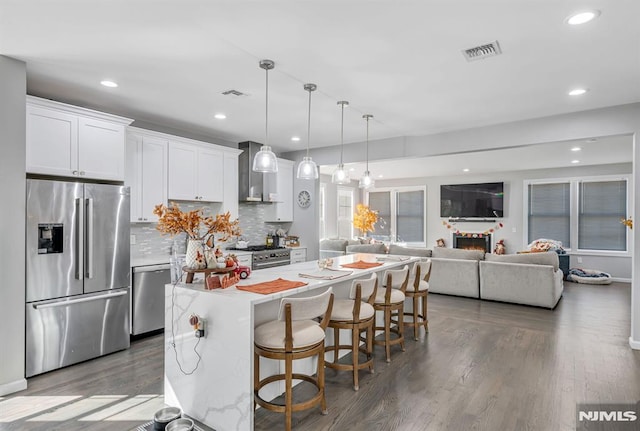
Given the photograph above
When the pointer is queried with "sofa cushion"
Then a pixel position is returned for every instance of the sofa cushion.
(409, 251)
(333, 244)
(457, 253)
(378, 248)
(544, 258)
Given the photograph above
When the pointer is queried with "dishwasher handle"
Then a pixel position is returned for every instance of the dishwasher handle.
(151, 268)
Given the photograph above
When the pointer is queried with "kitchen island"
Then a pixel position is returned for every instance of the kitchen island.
(218, 388)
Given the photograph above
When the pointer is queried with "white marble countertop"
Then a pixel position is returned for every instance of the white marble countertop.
(291, 272)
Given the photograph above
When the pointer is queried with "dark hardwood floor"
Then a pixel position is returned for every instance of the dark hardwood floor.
(483, 366)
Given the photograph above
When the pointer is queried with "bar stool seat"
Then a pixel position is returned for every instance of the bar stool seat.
(391, 302)
(355, 315)
(295, 335)
(417, 292)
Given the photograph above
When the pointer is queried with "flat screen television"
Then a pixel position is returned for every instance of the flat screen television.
(472, 200)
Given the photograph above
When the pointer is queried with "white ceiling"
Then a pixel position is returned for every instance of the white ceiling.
(400, 61)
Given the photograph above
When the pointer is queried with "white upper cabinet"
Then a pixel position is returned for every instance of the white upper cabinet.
(280, 185)
(198, 172)
(146, 173)
(230, 199)
(65, 140)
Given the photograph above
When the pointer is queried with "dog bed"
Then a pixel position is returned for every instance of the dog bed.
(589, 276)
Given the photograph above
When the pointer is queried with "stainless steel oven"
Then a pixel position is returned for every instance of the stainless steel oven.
(270, 258)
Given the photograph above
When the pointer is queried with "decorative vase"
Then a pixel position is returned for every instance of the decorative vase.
(195, 258)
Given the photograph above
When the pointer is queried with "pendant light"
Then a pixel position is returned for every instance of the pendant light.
(340, 175)
(307, 169)
(265, 159)
(366, 181)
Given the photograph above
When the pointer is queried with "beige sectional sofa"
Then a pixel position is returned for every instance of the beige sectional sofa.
(455, 272)
(532, 279)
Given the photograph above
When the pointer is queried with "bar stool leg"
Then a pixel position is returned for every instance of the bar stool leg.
(401, 326)
(256, 375)
(424, 313)
(415, 317)
(336, 344)
(288, 395)
(387, 332)
(323, 403)
(355, 348)
(370, 331)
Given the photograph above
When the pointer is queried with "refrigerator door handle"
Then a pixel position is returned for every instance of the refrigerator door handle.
(79, 239)
(89, 240)
(79, 300)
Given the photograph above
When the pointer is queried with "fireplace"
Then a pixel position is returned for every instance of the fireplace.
(472, 241)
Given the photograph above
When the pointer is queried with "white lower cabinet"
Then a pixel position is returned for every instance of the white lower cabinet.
(298, 255)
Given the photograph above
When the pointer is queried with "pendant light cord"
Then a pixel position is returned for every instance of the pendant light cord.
(367, 143)
(309, 123)
(266, 109)
(342, 135)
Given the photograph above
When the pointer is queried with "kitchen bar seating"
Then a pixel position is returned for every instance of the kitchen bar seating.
(390, 301)
(295, 335)
(357, 316)
(417, 291)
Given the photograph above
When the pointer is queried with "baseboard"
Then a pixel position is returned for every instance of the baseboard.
(9, 388)
(621, 280)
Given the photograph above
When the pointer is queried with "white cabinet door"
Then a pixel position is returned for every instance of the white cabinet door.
(133, 174)
(101, 148)
(52, 142)
(210, 175)
(183, 172)
(282, 210)
(154, 176)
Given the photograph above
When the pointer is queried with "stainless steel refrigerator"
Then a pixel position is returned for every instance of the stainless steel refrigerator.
(78, 272)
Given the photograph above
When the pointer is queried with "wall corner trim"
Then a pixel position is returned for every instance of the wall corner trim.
(635, 344)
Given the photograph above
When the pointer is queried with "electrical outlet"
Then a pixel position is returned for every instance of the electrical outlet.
(132, 239)
(513, 229)
(199, 325)
(579, 259)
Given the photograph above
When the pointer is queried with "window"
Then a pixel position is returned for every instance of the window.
(401, 215)
(602, 205)
(583, 213)
(345, 212)
(550, 212)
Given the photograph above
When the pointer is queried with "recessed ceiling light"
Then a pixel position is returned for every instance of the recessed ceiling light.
(295, 138)
(465, 170)
(220, 116)
(108, 83)
(578, 91)
(576, 149)
(582, 17)
(575, 161)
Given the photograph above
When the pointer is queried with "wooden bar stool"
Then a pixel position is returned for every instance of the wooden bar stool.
(417, 291)
(295, 335)
(357, 316)
(390, 301)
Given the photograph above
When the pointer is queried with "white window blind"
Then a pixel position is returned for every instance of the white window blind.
(550, 212)
(381, 202)
(602, 204)
(410, 216)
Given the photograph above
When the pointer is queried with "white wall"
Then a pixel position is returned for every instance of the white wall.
(513, 231)
(12, 223)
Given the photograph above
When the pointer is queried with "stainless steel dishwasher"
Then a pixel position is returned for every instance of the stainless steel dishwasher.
(147, 297)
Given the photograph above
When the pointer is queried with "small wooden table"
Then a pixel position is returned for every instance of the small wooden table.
(191, 272)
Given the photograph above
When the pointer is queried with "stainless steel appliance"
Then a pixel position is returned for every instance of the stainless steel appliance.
(147, 297)
(267, 257)
(77, 280)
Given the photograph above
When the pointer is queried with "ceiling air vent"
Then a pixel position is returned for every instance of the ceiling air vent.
(233, 93)
(483, 51)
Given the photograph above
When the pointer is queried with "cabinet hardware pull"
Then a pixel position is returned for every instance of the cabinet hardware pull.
(74, 172)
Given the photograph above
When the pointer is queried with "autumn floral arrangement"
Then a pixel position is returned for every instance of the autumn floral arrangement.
(628, 222)
(201, 231)
(364, 219)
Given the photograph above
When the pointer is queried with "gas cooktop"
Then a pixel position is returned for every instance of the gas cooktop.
(256, 248)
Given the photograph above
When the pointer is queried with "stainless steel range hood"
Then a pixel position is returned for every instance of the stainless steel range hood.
(251, 184)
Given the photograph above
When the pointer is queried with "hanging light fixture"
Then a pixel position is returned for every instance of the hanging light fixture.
(265, 159)
(307, 169)
(366, 181)
(340, 175)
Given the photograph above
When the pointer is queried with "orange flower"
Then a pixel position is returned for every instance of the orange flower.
(172, 221)
(364, 218)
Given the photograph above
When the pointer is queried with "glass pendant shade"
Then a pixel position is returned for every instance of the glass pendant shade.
(265, 160)
(307, 169)
(340, 175)
(366, 181)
